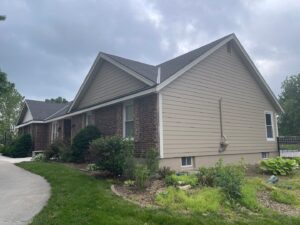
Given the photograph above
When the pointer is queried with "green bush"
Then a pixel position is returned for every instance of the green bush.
(20, 147)
(59, 150)
(207, 199)
(206, 176)
(278, 166)
(183, 179)
(152, 160)
(229, 178)
(165, 171)
(82, 141)
(142, 174)
(111, 153)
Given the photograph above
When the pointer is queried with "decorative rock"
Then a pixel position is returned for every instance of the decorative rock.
(185, 187)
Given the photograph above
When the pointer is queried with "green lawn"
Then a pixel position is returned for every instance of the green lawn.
(80, 199)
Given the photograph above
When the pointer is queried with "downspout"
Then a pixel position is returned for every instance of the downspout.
(223, 142)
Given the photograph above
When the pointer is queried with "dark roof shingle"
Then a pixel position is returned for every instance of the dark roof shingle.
(40, 110)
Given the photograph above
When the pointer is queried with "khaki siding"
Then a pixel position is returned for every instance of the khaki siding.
(109, 83)
(191, 122)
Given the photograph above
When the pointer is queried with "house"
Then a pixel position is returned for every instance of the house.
(209, 103)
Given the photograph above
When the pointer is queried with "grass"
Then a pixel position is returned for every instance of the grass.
(205, 200)
(78, 199)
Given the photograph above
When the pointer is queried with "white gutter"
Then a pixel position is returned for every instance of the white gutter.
(28, 123)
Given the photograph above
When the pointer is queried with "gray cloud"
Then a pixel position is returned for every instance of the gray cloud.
(47, 47)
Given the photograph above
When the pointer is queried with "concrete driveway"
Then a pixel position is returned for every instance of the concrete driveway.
(22, 194)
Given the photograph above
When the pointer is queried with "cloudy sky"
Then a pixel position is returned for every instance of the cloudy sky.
(47, 47)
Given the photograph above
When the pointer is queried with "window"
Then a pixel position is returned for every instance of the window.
(186, 161)
(269, 126)
(265, 155)
(89, 118)
(54, 131)
(128, 126)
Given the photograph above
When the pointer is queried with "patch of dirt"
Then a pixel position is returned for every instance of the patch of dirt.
(265, 200)
(142, 197)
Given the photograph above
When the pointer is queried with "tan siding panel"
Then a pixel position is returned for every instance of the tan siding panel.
(191, 109)
(109, 83)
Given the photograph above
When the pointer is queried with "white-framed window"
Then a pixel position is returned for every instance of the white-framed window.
(265, 155)
(128, 122)
(54, 131)
(186, 161)
(89, 118)
(269, 126)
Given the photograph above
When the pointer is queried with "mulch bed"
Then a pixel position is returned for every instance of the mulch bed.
(265, 200)
(142, 197)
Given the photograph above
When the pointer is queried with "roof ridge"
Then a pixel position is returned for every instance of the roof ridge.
(108, 54)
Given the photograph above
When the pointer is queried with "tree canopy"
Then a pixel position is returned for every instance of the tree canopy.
(57, 100)
(2, 17)
(289, 121)
(10, 104)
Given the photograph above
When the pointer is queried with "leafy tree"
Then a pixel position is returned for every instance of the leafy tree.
(10, 104)
(2, 17)
(57, 100)
(289, 121)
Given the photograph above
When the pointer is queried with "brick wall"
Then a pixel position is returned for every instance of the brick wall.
(77, 123)
(109, 120)
(145, 124)
(40, 133)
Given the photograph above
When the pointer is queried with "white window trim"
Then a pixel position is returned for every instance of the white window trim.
(124, 119)
(87, 114)
(267, 155)
(186, 166)
(272, 121)
(54, 131)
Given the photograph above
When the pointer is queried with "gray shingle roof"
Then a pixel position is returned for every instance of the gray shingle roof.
(41, 110)
(169, 67)
(46, 110)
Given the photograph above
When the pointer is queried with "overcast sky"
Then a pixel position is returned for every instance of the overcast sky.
(47, 47)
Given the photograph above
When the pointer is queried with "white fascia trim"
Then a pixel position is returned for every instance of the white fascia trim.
(192, 64)
(126, 69)
(85, 81)
(161, 130)
(258, 73)
(28, 123)
(158, 75)
(151, 90)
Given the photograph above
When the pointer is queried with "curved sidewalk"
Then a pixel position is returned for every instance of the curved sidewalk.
(22, 194)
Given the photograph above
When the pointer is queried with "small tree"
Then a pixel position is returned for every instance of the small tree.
(289, 121)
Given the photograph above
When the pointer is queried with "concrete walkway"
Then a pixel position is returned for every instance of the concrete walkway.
(22, 194)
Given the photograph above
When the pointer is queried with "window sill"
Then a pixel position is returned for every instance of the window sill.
(270, 139)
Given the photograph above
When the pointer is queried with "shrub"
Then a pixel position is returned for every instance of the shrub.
(59, 150)
(152, 160)
(111, 153)
(39, 157)
(184, 179)
(206, 176)
(20, 147)
(278, 166)
(129, 167)
(205, 200)
(81, 142)
(229, 178)
(142, 174)
(165, 171)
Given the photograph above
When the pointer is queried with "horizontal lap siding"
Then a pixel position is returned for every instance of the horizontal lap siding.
(109, 83)
(190, 109)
